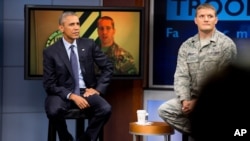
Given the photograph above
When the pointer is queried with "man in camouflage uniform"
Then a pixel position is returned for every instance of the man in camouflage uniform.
(206, 52)
(122, 59)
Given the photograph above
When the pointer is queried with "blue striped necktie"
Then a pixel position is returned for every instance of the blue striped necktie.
(74, 65)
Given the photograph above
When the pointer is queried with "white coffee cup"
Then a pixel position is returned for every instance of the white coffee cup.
(142, 116)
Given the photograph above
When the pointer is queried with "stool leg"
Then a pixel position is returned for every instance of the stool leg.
(167, 137)
(79, 127)
(134, 137)
(51, 132)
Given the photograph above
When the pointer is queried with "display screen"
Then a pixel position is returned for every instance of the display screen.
(41, 31)
(173, 23)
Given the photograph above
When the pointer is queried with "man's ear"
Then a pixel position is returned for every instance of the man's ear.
(216, 20)
(195, 21)
(60, 27)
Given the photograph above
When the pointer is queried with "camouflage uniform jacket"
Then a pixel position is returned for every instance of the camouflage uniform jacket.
(194, 63)
(122, 59)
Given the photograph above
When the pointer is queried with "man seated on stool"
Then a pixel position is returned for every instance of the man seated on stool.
(208, 51)
(66, 89)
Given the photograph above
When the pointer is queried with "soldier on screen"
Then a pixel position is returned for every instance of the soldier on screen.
(122, 59)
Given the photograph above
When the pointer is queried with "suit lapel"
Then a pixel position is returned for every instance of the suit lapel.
(64, 56)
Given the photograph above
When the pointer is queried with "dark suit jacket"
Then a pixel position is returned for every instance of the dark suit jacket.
(57, 73)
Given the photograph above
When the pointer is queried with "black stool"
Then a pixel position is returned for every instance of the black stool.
(76, 114)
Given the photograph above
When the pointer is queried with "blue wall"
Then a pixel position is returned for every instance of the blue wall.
(1, 62)
(22, 101)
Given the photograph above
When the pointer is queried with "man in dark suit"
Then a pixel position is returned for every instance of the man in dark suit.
(59, 82)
